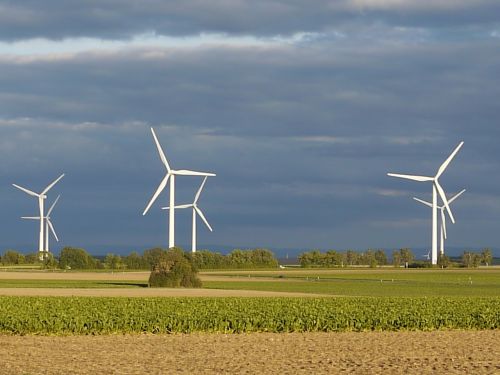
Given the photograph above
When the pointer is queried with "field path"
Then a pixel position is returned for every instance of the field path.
(452, 352)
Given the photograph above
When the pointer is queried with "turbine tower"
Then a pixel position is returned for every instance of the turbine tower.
(443, 235)
(436, 189)
(171, 174)
(48, 224)
(196, 211)
(41, 196)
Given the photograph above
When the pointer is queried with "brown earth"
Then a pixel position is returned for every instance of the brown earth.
(452, 352)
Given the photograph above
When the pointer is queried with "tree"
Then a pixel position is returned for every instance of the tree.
(174, 269)
(263, 258)
(351, 257)
(153, 256)
(369, 258)
(31, 258)
(49, 263)
(443, 261)
(396, 258)
(134, 261)
(380, 257)
(75, 258)
(486, 256)
(470, 259)
(12, 257)
(113, 262)
(406, 256)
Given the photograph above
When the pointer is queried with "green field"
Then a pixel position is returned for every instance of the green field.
(353, 282)
(100, 315)
(377, 283)
(366, 299)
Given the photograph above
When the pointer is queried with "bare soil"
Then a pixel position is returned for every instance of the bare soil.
(452, 352)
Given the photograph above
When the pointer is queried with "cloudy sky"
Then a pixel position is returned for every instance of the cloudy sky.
(300, 107)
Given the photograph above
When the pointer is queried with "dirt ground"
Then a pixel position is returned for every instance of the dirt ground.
(454, 352)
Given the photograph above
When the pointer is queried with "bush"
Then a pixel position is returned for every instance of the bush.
(174, 269)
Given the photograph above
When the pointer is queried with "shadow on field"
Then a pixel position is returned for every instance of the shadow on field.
(124, 284)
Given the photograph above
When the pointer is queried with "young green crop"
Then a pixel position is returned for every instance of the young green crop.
(84, 315)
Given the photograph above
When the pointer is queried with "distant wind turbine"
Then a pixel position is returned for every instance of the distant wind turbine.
(171, 173)
(196, 211)
(443, 218)
(436, 188)
(48, 224)
(41, 196)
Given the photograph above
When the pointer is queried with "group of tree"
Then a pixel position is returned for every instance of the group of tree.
(400, 258)
(472, 259)
(332, 258)
(80, 259)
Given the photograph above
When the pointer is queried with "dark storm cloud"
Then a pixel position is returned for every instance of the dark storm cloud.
(301, 134)
(111, 19)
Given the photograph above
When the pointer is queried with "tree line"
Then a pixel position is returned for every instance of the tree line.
(80, 259)
(400, 258)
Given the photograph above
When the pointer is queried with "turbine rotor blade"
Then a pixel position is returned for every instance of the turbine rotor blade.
(198, 211)
(197, 196)
(52, 184)
(160, 150)
(422, 201)
(52, 230)
(27, 191)
(411, 177)
(53, 205)
(443, 223)
(456, 196)
(448, 161)
(445, 200)
(31, 217)
(186, 172)
(160, 188)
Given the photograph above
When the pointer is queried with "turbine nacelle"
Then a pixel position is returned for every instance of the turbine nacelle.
(441, 209)
(170, 172)
(435, 179)
(194, 205)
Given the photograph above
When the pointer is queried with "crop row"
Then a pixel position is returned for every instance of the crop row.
(86, 315)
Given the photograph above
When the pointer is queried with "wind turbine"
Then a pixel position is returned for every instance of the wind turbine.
(171, 173)
(443, 218)
(40, 197)
(196, 211)
(436, 189)
(48, 224)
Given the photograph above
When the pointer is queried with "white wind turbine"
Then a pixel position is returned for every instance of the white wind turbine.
(443, 218)
(436, 188)
(48, 224)
(40, 197)
(171, 173)
(196, 211)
